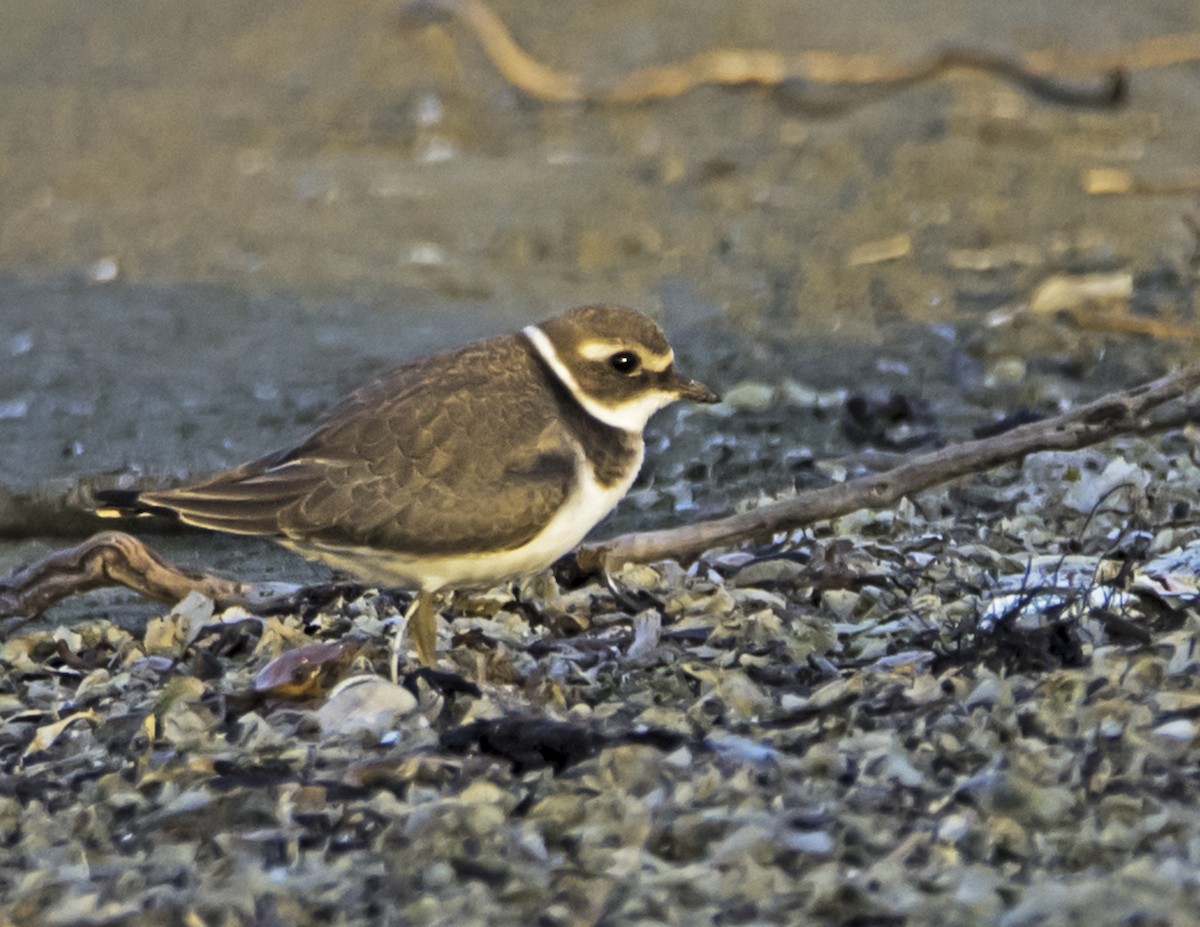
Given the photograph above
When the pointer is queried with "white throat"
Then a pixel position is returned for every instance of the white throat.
(630, 416)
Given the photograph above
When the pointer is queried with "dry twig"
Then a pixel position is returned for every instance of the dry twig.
(113, 558)
(117, 559)
(1122, 413)
(806, 78)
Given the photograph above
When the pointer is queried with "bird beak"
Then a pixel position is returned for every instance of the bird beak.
(693, 390)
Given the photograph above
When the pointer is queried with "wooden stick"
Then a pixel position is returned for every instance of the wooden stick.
(1038, 72)
(1112, 415)
(113, 558)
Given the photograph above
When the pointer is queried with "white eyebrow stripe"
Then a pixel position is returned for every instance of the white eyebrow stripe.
(602, 348)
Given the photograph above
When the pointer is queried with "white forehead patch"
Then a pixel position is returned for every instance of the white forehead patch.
(630, 415)
(603, 348)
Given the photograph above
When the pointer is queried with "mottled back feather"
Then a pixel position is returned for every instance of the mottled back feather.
(391, 466)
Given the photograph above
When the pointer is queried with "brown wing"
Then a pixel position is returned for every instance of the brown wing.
(448, 455)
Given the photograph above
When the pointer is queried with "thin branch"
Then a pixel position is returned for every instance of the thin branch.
(817, 82)
(113, 558)
(1116, 414)
(117, 559)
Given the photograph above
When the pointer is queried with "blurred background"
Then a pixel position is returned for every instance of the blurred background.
(214, 219)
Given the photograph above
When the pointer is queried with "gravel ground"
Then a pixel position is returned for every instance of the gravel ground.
(980, 707)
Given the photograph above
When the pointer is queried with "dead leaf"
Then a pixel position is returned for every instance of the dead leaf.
(45, 736)
(306, 672)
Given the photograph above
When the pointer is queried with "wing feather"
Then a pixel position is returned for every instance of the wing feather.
(448, 455)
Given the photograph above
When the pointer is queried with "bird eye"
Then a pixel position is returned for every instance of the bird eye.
(625, 362)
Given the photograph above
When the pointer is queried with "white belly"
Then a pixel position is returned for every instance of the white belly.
(586, 505)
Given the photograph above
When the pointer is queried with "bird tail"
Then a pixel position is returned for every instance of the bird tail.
(126, 503)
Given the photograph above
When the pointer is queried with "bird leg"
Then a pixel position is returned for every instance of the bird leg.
(421, 619)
